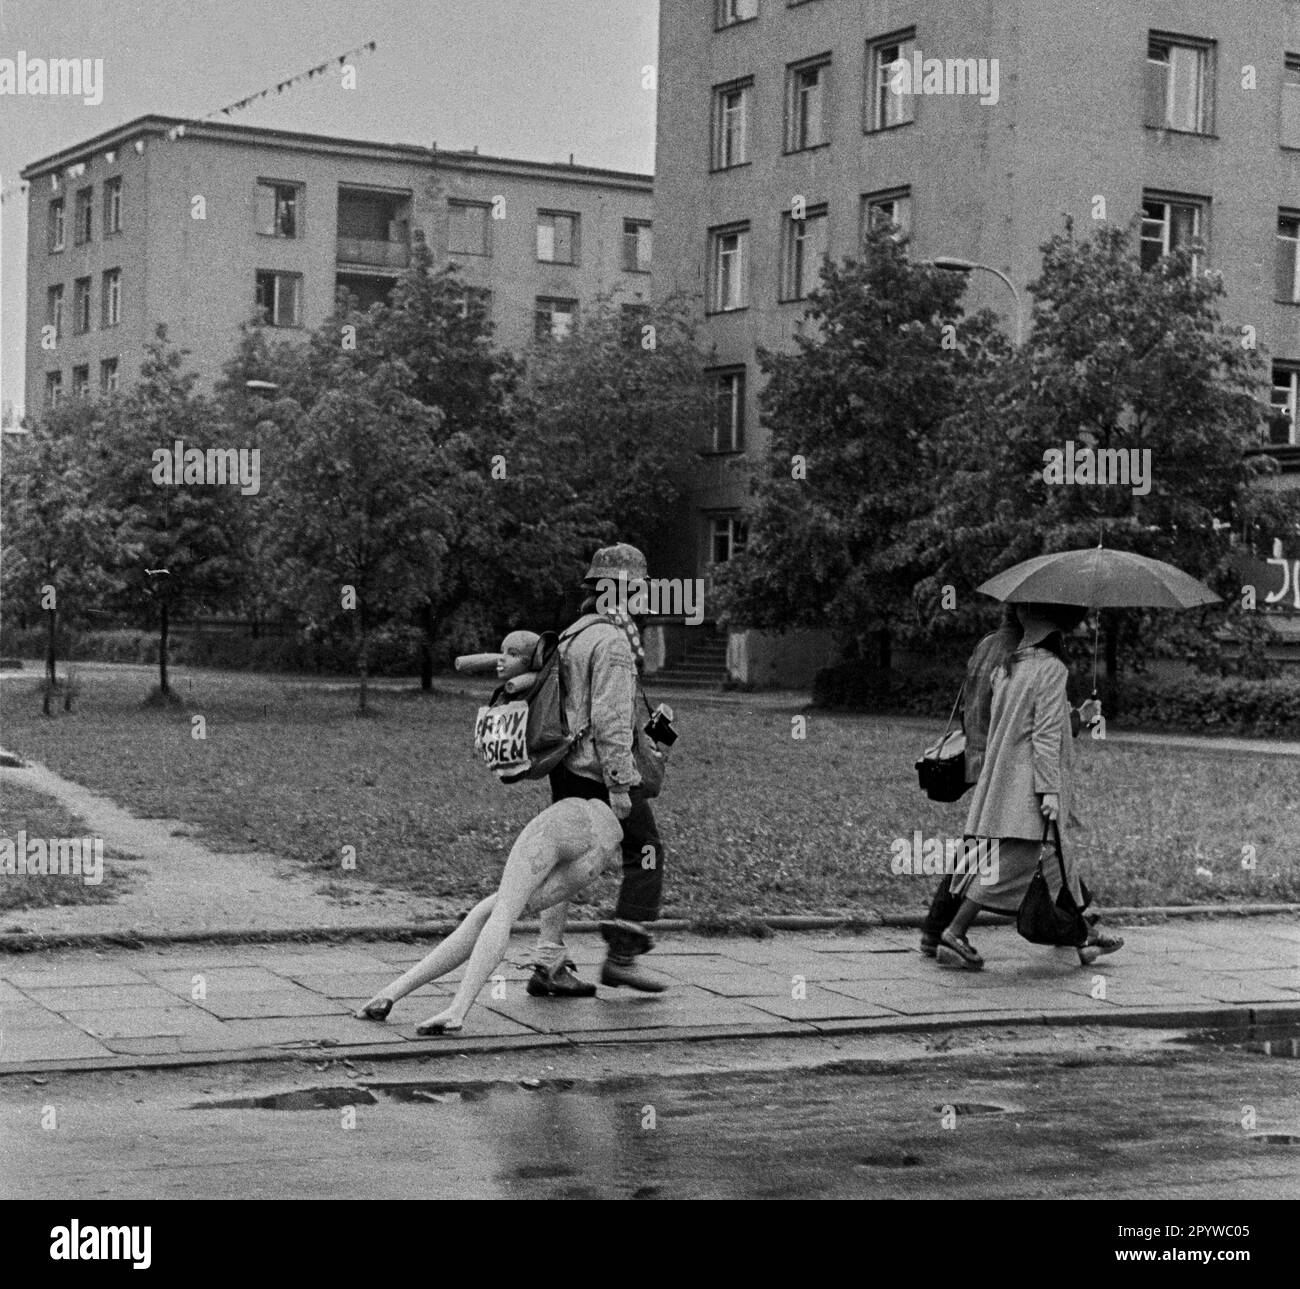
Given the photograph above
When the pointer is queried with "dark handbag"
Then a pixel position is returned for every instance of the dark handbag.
(942, 767)
(1042, 920)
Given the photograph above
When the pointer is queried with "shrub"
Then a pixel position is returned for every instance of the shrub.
(1197, 705)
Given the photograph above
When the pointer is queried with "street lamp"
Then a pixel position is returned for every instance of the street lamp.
(951, 264)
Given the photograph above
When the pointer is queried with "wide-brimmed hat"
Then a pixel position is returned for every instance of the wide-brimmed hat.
(620, 561)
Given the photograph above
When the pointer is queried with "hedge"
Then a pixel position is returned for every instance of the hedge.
(1198, 705)
(198, 648)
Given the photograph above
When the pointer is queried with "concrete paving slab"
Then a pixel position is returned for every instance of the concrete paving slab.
(141, 1022)
(820, 1004)
(219, 979)
(30, 1017)
(72, 975)
(747, 984)
(65, 1043)
(100, 997)
(284, 1002)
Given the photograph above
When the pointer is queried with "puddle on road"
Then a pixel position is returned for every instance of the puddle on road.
(1262, 1040)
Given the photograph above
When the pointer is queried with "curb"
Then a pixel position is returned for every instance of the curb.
(757, 928)
(1211, 1017)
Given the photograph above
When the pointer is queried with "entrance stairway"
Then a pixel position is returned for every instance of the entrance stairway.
(704, 665)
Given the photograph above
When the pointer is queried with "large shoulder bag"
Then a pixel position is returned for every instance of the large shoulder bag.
(1042, 920)
(942, 767)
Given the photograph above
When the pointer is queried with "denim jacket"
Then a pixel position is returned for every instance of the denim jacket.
(600, 683)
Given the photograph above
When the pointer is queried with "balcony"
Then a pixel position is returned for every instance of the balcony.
(373, 253)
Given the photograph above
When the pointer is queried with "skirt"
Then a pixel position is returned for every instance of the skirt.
(1017, 857)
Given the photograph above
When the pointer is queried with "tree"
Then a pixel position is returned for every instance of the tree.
(1118, 359)
(616, 412)
(359, 513)
(261, 418)
(180, 532)
(884, 357)
(60, 541)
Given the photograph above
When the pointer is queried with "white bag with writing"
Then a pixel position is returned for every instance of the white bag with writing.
(501, 737)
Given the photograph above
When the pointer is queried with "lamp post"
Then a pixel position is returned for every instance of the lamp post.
(951, 264)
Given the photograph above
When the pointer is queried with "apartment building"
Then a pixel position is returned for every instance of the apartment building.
(206, 229)
(1181, 114)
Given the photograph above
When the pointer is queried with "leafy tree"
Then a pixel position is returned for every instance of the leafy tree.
(359, 515)
(180, 537)
(1118, 358)
(615, 413)
(60, 542)
(855, 412)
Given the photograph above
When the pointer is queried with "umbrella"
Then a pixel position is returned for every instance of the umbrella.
(1098, 578)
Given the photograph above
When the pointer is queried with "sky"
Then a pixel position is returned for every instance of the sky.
(536, 79)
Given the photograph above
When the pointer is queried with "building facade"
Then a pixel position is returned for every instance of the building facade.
(209, 228)
(1182, 115)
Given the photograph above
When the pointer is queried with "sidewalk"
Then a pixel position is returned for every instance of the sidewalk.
(205, 1004)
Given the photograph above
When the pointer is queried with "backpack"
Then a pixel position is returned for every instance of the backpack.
(527, 736)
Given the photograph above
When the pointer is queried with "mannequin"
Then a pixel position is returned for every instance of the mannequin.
(558, 852)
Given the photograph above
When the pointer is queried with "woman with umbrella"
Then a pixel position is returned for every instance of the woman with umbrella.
(1026, 778)
(1025, 785)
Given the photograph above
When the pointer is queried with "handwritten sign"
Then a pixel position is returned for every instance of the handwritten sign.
(501, 737)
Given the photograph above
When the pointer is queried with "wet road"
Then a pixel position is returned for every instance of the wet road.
(1015, 1114)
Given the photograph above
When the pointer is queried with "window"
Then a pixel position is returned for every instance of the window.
(805, 104)
(889, 210)
(1290, 132)
(112, 205)
(469, 228)
(632, 318)
(85, 225)
(1178, 85)
(1287, 283)
(885, 105)
(81, 306)
(557, 237)
(553, 319)
(731, 124)
(1172, 224)
(54, 310)
(278, 298)
(636, 245)
(81, 381)
(111, 298)
(56, 230)
(730, 12)
(279, 209)
(728, 268)
(730, 536)
(729, 410)
(108, 375)
(1286, 385)
(53, 388)
(803, 250)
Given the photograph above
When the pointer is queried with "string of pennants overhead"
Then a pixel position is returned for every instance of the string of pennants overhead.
(178, 131)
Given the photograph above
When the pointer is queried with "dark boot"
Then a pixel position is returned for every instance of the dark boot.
(626, 940)
(563, 982)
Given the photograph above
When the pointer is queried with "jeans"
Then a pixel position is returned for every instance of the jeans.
(641, 893)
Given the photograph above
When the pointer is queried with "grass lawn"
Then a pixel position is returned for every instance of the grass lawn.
(21, 809)
(754, 820)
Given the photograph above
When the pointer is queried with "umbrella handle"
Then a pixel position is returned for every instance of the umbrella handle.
(1096, 629)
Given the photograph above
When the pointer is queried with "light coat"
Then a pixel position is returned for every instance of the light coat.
(599, 674)
(1028, 751)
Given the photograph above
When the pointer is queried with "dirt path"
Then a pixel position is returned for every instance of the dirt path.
(182, 885)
